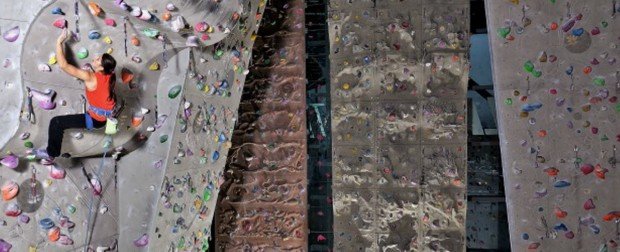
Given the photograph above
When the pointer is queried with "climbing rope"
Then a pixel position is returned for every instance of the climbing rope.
(77, 19)
(125, 30)
(89, 229)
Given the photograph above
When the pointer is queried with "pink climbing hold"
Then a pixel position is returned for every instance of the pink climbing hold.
(96, 186)
(110, 22)
(589, 205)
(587, 169)
(142, 241)
(60, 23)
(56, 172)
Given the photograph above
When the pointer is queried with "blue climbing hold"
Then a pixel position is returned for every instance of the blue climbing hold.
(529, 107)
(578, 32)
(560, 227)
(57, 11)
(561, 184)
(46, 223)
(367, 60)
(222, 138)
(94, 35)
(525, 236)
(569, 70)
(216, 155)
(569, 109)
(224, 84)
(595, 229)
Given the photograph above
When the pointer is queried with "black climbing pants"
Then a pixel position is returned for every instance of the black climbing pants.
(59, 124)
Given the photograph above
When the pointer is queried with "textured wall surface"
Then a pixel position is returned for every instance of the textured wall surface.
(398, 79)
(168, 175)
(557, 85)
(264, 199)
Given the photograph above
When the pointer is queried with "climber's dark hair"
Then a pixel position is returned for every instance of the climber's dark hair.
(109, 64)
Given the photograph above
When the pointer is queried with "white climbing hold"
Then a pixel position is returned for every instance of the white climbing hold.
(44, 68)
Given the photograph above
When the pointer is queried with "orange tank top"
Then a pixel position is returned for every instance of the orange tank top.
(99, 97)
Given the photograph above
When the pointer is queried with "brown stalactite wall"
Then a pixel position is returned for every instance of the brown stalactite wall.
(263, 202)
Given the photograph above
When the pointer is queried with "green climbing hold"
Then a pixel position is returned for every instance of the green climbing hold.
(578, 160)
(205, 246)
(219, 53)
(71, 209)
(174, 92)
(604, 24)
(206, 196)
(28, 144)
(503, 31)
(508, 101)
(599, 81)
(537, 74)
(203, 160)
(618, 107)
(82, 53)
(528, 66)
(150, 32)
(163, 139)
(552, 1)
(181, 244)
(604, 138)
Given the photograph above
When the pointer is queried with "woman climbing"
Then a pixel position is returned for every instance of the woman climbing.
(99, 84)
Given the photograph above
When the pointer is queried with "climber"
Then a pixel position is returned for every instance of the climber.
(99, 84)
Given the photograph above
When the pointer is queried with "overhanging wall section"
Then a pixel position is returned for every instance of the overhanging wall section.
(557, 83)
(398, 83)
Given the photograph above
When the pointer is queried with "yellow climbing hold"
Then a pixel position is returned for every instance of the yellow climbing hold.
(107, 40)
(110, 50)
(52, 60)
(514, 1)
(154, 66)
(32, 249)
(253, 37)
(227, 145)
(206, 89)
(262, 3)
(346, 86)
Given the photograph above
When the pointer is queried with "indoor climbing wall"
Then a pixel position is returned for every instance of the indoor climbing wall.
(263, 202)
(557, 84)
(398, 83)
(181, 66)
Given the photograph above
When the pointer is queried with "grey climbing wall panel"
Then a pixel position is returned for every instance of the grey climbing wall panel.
(189, 60)
(263, 203)
(557, 83)
(398, 83)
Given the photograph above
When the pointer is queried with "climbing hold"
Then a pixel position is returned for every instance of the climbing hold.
(589, 205)
(94, 8)
(53, 234)
(201, 26)
(587, 169)
(578, 32)
(126, 75)
(170, 7)
(82, 53)
(9, 190)
(94, 34)
(110, 22)
(145, 15)
(96, 185)
(216, 155)
(553, 26)
(599, 81)
(60, 23)
(533, 246)
(23, 218)
(135, 41)
(44, 68)
(71, 208)
(56, 172)
(613, 215)
(508, 101)
(12, 210)
(177, 24)
(142, 241)
(542, 57)
(528, 66)
(206, 195)
(551, 171)
(150, 32)
(65, 240)
(529, 107)
(600, 172)
(57, 11)
(154, 66)
(569, 235)
(503, 31)
(52, 60)
(107, 40)
(560, 227)
(10, 161)
(587, 70)
(12, 34)
(561, 183)
(537, 73)
(569, 70)
(163, 138)
(136, 59)
(166, 16)
(174, 91)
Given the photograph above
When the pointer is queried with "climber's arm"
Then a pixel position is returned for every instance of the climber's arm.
(62, 60)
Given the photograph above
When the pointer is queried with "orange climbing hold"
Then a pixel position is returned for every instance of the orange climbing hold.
(599, 171)
(135, 41)
(552, 171)
(587, 70)
(126, 75)
(554, 26)
(53, 234)
(94, 8)
(542, 133)
(561, 214)
(613, 215)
